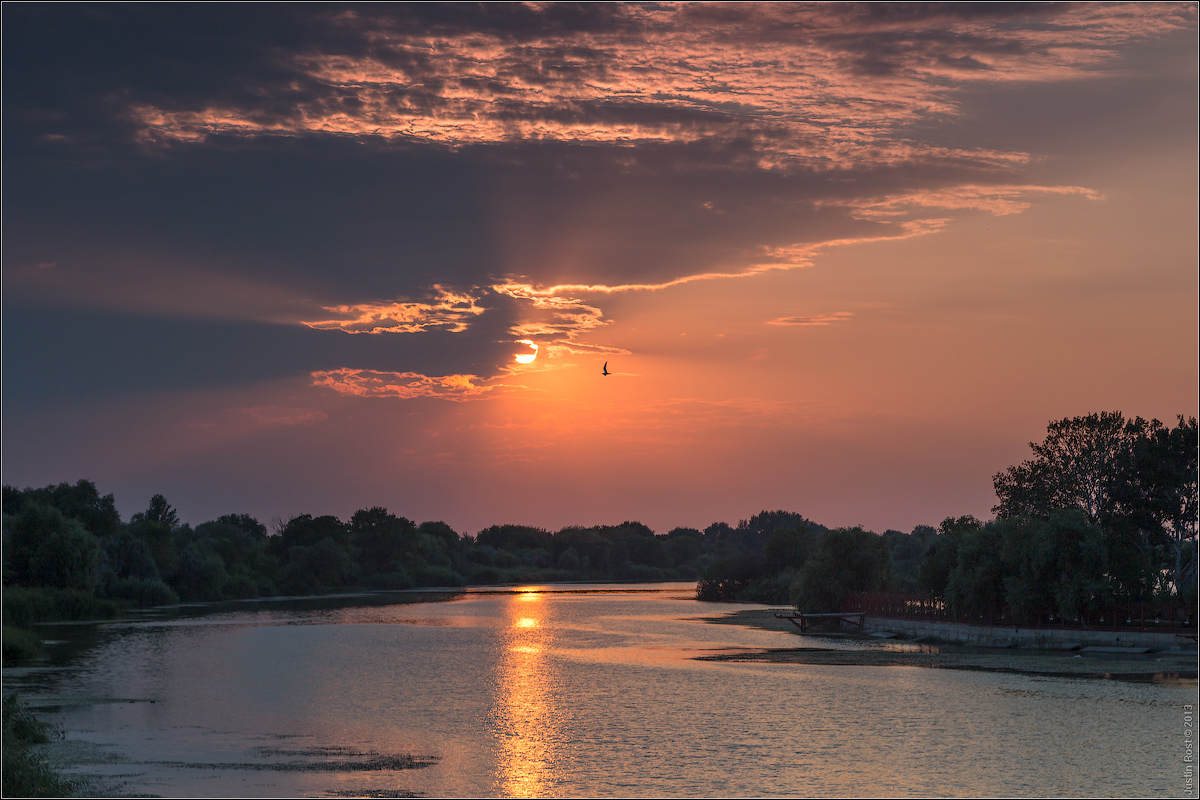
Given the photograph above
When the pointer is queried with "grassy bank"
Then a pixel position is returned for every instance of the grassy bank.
(26, 773)
(24, 606)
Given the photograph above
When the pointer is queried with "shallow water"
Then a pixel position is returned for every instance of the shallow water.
(565, 692)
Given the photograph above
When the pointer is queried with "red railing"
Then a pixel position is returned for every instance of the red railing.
(1165, 617)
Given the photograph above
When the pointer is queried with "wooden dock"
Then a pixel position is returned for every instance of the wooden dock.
(805, 621)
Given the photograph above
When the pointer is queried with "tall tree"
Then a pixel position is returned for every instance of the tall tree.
(159, 511)
(1158, 491)
(1079, 465)
(1136, 479)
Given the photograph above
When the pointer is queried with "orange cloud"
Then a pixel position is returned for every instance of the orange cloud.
(997, 200)
(449, 310)
(795, 85)
(401, 385)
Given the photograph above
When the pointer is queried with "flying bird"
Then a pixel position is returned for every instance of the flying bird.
(606, 372)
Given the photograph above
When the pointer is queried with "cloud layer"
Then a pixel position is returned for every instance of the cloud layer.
(345, 229)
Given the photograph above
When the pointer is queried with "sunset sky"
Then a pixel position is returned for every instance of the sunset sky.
(844, 260)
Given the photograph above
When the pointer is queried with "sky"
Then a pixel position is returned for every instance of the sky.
(843, 260)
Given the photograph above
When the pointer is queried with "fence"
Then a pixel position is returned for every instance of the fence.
(1165, 617)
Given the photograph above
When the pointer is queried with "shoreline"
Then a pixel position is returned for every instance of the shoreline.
(862, 649)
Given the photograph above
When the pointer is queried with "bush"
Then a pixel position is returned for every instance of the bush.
(438, 576)
(24, 606)
(484, 575)
(400, 579)
(241, 587)
(145, 592)
(200, 575)
(720, 591)
(20, 644)
(845, 560)
(44, 548)
(645, 573)
(772, 590)
(26, 773)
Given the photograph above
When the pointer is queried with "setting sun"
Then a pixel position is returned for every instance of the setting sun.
(526, 358)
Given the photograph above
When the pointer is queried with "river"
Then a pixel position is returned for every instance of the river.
(567, 691)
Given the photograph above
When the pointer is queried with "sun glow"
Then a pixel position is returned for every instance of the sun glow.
(526, 358)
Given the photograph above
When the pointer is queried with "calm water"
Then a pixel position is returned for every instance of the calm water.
(570, 693)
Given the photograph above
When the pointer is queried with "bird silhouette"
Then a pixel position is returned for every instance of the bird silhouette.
(606, 372)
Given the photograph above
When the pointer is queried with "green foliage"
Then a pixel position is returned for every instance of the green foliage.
(44, 548)
(306, 530)
(941, 554)
(1077, 466)
(937, 564)
(200, 574)
(241, 587)
(1136, 479)
(720, 590)
(239, 540)
(22, 725)
(317, 568)
(20, 644)
(438, 576)
(1053, 569)
(130, 557)
(1031, 563)
(594, 551)
(160, 539)
(383, 539)
(83, 502)
(145, 592)
(731, 574)
(253, 529)
(976, 584)
(906, 551)
(684, 546)
(845, 560)
(1108, 467)
(788, 548)
(26, 773)
(775, 589)
(161, 512)
(24, 606)
(765, 523)
(515, 537)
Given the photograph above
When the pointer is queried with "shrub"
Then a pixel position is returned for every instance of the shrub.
(24, 606)
(241, 587)
(438, 576)
(143, 591)
(44, 548)
(845, 560)
(772, 590)
(26, 773)
(20, 644)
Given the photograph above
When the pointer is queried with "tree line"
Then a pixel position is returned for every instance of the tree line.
(70, 537)
(68, 554)
(1104, 511)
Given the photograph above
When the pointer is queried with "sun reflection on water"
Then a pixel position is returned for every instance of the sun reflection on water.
(526, 710)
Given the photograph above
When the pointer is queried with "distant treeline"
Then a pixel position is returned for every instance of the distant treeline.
(68, 553)
(1105, 510)
(1104, 513)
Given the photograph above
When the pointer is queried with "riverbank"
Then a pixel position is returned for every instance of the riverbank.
(945, 648)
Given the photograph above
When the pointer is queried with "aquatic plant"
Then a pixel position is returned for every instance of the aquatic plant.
(26, 772)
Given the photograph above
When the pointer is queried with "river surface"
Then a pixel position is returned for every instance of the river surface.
(569, 691)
